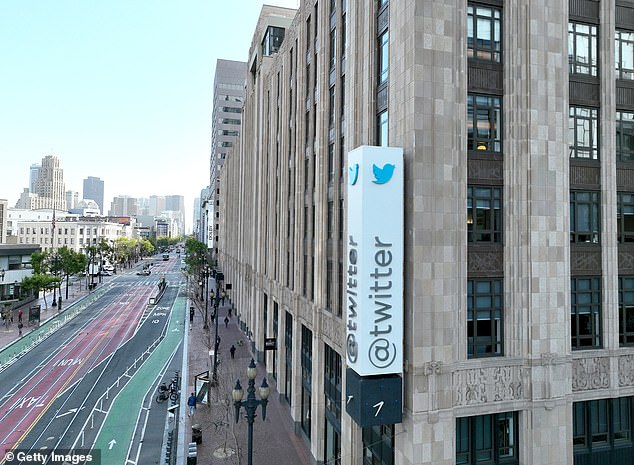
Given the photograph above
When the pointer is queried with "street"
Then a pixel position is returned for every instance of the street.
(68, 390)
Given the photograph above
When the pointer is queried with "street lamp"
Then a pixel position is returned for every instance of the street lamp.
(250, 404)
(206, 294)
(214, 376)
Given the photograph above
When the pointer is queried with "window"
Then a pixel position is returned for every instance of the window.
(306, 361)
(333, 48)
(378, 445)
(602, 424)
(230, 121)
(330, 305)
(490, 439)
(383, 57)
(626, 310)
(585, 312)
(484, 128)
(625, 216)
(584, 217)
(624, 136)
(484, 318)
(331, 219)
(484, 33)
(382, 129)
(583, 133)
(272, 40)
(624, 54)
(582, 49)
(288, 347)
(484, 214)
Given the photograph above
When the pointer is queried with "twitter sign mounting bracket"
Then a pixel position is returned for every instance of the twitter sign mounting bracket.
(374, 281)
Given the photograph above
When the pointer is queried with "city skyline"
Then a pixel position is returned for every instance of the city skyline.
(120, 91)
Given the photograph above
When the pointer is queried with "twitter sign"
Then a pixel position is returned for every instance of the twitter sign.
(374, 281)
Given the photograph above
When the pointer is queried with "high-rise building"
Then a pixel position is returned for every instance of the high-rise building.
(93, 190)
(515, 123)
(3, 220)
(72, 198)
(49, 184)
(124, 205)
(33, 173)
(229, 88)
(156, 205)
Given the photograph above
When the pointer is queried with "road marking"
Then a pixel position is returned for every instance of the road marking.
(73, 410)
(111, 444)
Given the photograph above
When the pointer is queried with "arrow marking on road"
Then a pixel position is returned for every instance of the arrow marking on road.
(349, 399)
(73, 410)
(111, 444)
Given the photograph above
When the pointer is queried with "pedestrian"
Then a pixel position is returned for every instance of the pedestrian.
(191, 315)
(226, 321)
(191, 403)
(20, 316)
(233, 351)
(223, 297)
(20, 325)
(229, 312)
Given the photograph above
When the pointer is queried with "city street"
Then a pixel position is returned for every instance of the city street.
(68, 379)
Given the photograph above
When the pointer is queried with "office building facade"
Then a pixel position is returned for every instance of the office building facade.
(226, 120)
(93, 190)
(516, 124)
(49, 188)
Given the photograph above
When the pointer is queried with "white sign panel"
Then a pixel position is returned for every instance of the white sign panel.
(374, 285)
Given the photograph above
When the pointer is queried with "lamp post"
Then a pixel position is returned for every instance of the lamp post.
(250, 404)
(206, 294)
(214, 376)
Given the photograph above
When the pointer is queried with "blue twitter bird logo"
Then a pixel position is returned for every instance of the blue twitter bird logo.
(382, 175)
(353, 174)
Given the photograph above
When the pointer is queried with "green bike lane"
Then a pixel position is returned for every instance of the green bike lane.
(122, 418)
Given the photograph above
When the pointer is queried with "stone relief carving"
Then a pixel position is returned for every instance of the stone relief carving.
(432, 367)
(626, 370)
(482, 385)
(590, 373)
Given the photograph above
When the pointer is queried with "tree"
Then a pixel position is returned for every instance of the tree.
(71, 263)
(40, 282)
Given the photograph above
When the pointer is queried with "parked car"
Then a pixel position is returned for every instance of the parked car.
(143, 273)
(105, 273)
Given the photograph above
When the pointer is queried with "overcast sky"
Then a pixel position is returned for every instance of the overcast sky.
(117, 89)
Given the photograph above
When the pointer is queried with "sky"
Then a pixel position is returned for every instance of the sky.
(116, 89)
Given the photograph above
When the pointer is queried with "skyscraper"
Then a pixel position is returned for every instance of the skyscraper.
(229, 89)
(49, 185)
(93, 190)
(33, 173)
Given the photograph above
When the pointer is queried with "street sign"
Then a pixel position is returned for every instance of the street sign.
(270, 343)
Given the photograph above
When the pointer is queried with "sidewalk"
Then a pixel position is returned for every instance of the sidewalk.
(274, 440)
(11, 333)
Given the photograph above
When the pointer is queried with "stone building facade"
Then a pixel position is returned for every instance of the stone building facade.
(516, 123)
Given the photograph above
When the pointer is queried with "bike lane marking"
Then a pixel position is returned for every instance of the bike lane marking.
(115, 436)
(33, 399)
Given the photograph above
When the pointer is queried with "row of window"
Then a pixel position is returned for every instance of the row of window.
(484, 215)
(485, 315)
(484, 42)
(484, 129)
(602, 433)
(33, 230)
